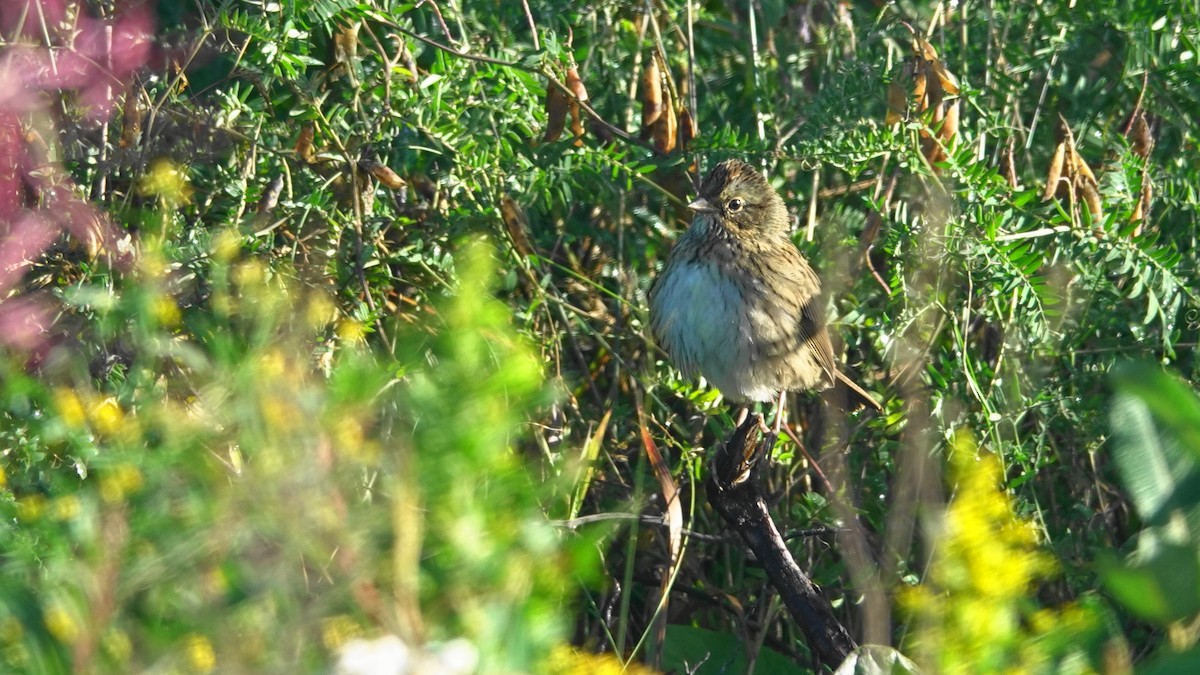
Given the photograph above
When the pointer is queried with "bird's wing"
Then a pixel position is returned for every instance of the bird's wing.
(812, 332)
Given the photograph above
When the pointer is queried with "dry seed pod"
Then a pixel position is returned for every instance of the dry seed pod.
(1069, 175)
(946, 80)
(919, 98)
(425, 187)
(1010, 166)
(1141, 210)
(687, 129)
(665, 130)
(516, 223)
(304, 144)
(897, 97)
(949, 129)
(1079, 166)
(345, 45)
(1062, 163)
(652, 94)
(1141, 142)
(925, 86)
(270, 196)
(388, 178)
(131, 117)
(1090, 195)
(556, 113)
(1054, 175)
(576, 86)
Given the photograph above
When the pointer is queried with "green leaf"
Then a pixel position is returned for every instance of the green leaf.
(1163, 587)
(1186, 663)
(1173, 403)
(707, 652)
(876, 660)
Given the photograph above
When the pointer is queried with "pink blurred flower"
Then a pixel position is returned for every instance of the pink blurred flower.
(58, 47)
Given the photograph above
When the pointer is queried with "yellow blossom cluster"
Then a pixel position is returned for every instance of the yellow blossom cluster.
(974, 611)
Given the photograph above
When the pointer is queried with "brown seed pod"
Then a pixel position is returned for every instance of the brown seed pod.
(516, 223)
(304, 144)
(270, 196)
(1141, 142)
(576, 86)
(1141, 210)
(556, 113)
(665, 130)
(949, 129)
(687, 129)
(1054, 175)
(898, 102)
(131, 117)
(652, 95)
(1010, 165)
(388, 178)
(1090, 195)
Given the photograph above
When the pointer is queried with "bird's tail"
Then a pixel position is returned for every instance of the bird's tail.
(853, 395)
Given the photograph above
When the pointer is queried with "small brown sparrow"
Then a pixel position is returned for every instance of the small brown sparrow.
(736, 301)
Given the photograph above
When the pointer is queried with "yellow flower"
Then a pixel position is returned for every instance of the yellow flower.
(338, 630)
(10, 630)
(61, 624)
(350, 330)
(64, 508)
(199, 654)
(70, 407)
(117, 645)
(167, 312)
(249, 274)
(165, 181)
(319, 311)
(30, 508)
(106, 416)
(971, 610)
(565, 660)
(119, 482)
(226, 245)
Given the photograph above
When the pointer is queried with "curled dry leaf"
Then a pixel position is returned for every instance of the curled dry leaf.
(556, 113)
(580, 92)
(516, 223)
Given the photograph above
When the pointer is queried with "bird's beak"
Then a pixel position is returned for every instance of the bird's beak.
(701, 205)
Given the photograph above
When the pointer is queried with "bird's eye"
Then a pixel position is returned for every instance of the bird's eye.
(735, 205)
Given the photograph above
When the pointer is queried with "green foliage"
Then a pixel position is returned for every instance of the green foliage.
(1156, 426)
(262, 511)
